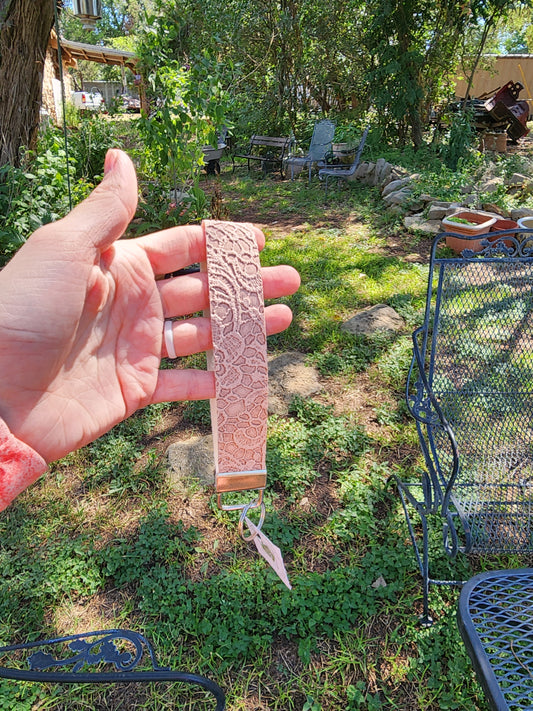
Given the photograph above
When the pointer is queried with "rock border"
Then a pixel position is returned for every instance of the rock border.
(426, 212)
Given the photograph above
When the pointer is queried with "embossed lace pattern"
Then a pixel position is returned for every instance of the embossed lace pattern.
(238, 358)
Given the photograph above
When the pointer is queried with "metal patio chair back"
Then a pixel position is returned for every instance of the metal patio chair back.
(319, 147)
(470, 390)
(344, 172)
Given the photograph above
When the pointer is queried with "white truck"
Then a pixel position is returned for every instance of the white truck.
(88, 100)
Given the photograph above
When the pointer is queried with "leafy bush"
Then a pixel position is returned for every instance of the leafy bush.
(460, 139)
(31, 196)
(38, 192)
(88, 144)
(187, 110)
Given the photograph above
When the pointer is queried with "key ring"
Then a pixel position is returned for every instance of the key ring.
(258, 525)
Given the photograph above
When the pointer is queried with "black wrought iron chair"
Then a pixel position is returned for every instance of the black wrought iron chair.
(470, 390)
(116, 655)
(343, 172)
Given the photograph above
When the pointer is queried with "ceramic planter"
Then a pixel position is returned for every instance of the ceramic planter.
(526, 223)
(343, 151)
(477, 223)
(502, 224)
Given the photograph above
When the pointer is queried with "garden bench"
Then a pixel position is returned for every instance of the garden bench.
(119, 656)
(470, 390)
(270, 151)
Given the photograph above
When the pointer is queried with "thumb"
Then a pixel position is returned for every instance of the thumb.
(104, 216)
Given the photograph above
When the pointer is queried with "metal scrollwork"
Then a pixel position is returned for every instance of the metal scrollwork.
(101, 650)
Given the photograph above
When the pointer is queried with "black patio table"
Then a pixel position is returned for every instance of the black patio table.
(495, 617)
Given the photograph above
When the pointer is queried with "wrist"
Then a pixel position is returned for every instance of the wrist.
(20, 466)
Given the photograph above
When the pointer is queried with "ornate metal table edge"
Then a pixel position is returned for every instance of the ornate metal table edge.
(100, 647)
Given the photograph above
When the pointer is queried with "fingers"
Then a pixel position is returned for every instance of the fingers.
(176, 385)
(188, 293)
(179, 247)
(194, 334)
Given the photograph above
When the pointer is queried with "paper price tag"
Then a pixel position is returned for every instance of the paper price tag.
(270, 552)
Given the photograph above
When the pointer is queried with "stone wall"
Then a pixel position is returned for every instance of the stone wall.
(424, 213)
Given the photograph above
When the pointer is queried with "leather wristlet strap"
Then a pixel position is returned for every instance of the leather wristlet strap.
(238, 358)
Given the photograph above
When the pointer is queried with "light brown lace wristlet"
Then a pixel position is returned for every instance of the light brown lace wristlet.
(239, 363)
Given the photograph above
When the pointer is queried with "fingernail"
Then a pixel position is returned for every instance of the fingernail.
(110, 161)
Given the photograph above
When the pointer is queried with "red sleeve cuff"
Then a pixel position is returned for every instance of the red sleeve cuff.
(20, 466)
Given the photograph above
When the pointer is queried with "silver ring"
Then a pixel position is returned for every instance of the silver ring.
(169, 339)
(258, 525)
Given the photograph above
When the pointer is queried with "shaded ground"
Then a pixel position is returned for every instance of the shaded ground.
(280, 223)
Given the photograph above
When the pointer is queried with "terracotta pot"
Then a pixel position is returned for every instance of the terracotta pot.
(494, 141)
(480, 223)
(502, 224)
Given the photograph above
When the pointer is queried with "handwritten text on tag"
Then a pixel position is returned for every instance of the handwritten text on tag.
(270, 552)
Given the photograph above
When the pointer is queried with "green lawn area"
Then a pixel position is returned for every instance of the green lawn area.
(104, 540)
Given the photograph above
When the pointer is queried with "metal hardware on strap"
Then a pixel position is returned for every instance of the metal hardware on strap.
(241, 481)
(258, 525)
(240, 507)
(244, 509)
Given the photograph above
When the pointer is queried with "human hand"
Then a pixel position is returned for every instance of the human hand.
(81, 319)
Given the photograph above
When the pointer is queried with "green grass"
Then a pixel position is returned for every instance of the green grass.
(104, 541)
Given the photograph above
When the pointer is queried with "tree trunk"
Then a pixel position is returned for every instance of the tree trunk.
(415, 121)
(24, 32)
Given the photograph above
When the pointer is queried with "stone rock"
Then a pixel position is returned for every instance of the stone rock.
(361, 171)
(453, 209)
(437, 212)
(491, 186)
(378, 170)
(442, 203)
(395, 185)
(395, 174)
(288, 375)
(398, 197)
(373, 320)
(519, 212)
(384, 172)
(495, 209)
(192, 458)
(369, 177)
(518, 179)
(414, 206)
(429, 198)
(417, 223)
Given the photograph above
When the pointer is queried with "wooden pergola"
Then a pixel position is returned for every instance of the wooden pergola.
(74, 51)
